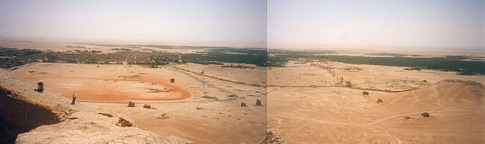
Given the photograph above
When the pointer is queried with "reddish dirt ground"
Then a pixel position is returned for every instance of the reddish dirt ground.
(110, 90)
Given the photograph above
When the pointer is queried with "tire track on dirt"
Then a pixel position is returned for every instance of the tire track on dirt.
(293, 116)
(221, 79)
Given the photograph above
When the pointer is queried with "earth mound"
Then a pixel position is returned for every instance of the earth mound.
(447, 94)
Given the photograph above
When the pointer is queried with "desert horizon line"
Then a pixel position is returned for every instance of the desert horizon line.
(231, 44)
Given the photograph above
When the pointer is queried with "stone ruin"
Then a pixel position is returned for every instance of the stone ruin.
(131, 104)
(163, 116)
(425, 114)
(379, 101)
(124, 123)
(40, 86)
(243, 104)
(147, 106)
(348, 84)
(273, 138)
(258, 102)
(365, 93)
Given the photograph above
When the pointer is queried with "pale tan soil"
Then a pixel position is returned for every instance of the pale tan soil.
(306, 104)
(302, 113)
(84, 127)
(223, 121)
(250, 76)
(295, 74)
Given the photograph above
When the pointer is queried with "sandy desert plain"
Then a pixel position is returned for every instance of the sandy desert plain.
(306, 105)
(306, 100)
(200, 107)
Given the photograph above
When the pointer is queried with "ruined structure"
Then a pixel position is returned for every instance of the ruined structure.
(131, 104)
(272, 137)
(40, 86)
(348, 83)
(124, 123)
(163, 116)
(258, 102)
(379, 101)
(425, 114)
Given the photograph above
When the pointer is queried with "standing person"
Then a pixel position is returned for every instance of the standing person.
(74, 97)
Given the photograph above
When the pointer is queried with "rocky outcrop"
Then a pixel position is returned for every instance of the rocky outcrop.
(17, 116)
(272, 137)
(22, 108)
(86, 127)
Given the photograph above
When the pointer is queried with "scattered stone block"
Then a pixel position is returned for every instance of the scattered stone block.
(163, 116)
(273, 138)
(243, 104)
(124, 123)
(379, 101)
(425, 114)
(348, 84)
(258, 102)
(131, 104)
(106, 114)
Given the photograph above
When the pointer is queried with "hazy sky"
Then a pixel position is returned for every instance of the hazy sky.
(377, 23)
(366, 23)
(213, 21)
